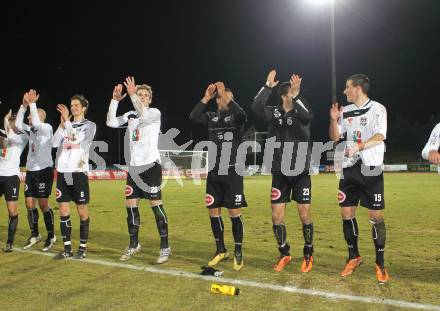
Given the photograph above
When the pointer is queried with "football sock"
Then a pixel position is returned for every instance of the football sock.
(281, 237)
(32, 216)
(308, 239)
(379, 237)
(83, 233)
(48, 221)
(237, 232)
(162, 224)
(12, 228)
(351, 231)
(66, 231)
(217, 230)
(133, 223)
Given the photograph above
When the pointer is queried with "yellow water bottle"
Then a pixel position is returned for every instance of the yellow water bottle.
(225, 289)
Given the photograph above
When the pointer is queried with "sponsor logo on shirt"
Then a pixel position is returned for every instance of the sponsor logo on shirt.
(363, 121)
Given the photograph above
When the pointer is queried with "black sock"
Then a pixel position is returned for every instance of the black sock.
(379, 236)
(83, 233)
(66, 231)
(32, 217)
(133, 223)
(237, 232)
(281, 237)
(217, 230)
(351, 232)
(308, 239)
(162, 224)
(12, 228)
(48, 221)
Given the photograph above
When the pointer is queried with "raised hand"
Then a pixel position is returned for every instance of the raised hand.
(209, 93)
(25, 102)
(295, 83)
(64, 111)
(33, 96)
(270, 81)
(130, 85)
(335, 112)
(117, 93)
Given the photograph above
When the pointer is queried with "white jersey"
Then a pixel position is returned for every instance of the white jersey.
(11, 146)
(143, 131)
(360, 124)
(433, 142)
(73, 143)
(40, 139)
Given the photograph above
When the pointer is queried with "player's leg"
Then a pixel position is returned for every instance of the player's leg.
(373, 199)
(302, 194)
(152, 177)
(30, 190)
(234, 200)
(11, 191)
(63, 197)
(214, 200)
(12, 224)
(81, 197)
(44, 191)
(280, 195)
(132, 199)
(348, 198)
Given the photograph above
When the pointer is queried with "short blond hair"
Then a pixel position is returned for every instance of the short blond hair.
(145, 87)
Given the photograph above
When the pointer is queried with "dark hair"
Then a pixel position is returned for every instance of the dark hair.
(361, 80)
(284, 88)
(84, 102)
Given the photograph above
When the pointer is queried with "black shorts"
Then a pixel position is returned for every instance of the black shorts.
(10, 187)
(355, 187)
(144, 182)
(285, 188)
(225, 190)
(73, 187)
(38, 184)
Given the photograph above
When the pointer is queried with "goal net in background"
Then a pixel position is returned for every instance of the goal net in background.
(184, 164)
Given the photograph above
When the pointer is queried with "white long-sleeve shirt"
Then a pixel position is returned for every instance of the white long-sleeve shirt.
(360, 124)
(433, 142)
(40, 139)
(11, 147)
(73, 143)
(143, 130)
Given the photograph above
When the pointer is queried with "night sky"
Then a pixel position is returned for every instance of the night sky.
(179, 47)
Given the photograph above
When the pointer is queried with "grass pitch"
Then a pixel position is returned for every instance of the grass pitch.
(32, 282)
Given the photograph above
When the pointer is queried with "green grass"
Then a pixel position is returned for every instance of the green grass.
(32, 282)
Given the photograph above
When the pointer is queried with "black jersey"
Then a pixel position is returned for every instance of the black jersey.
(223, 126)
(287, 127)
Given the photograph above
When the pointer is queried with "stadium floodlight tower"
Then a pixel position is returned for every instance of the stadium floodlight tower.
(331, 3)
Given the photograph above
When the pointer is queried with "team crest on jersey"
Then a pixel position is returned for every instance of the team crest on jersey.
(220, 136)
(357, 136)
(209, 199)
(289, 121)
(341, 196)
(363, 121)
(58, 193)
(350, 121)
(135, 136)
(275, 194)
(277, 114)
(128, 190)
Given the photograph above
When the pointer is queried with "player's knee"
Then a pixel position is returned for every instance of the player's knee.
(155, 202)
(214, 212)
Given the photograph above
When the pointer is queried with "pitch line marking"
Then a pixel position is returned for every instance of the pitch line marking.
(274, 287)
